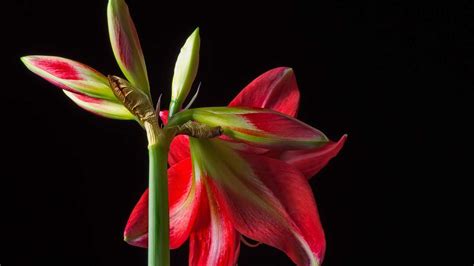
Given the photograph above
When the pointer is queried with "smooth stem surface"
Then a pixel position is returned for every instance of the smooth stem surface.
(158, 211)
(174, 108)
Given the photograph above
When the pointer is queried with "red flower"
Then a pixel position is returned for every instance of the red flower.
(221, 188)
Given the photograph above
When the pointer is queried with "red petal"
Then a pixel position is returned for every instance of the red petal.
(267, 200)
(214, 240)
(184, 199)
(137, 226)
(164, 116)
(179, 149)
(280, 125)
(310, 162)
(241, 146)
(275, 89)
(295, 194)
(284, 214)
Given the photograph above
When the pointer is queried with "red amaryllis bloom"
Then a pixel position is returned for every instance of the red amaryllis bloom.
(221, 188)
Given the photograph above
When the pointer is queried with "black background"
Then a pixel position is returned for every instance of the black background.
(396, 77)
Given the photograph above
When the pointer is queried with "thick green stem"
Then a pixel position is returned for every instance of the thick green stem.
(158, 212)
(139, 104)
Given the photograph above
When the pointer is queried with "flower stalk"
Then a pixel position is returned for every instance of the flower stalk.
(140, 105)
(158, 215)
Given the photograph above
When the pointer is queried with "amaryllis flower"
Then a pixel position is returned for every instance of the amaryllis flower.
(242, 171)
(252, 181)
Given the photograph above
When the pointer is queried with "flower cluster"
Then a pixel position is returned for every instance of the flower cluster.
(250, 181)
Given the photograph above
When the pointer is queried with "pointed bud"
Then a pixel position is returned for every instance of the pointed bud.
(70, 75)
(82, 84)
(126, 45)
(102, 107)
(185, 71)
